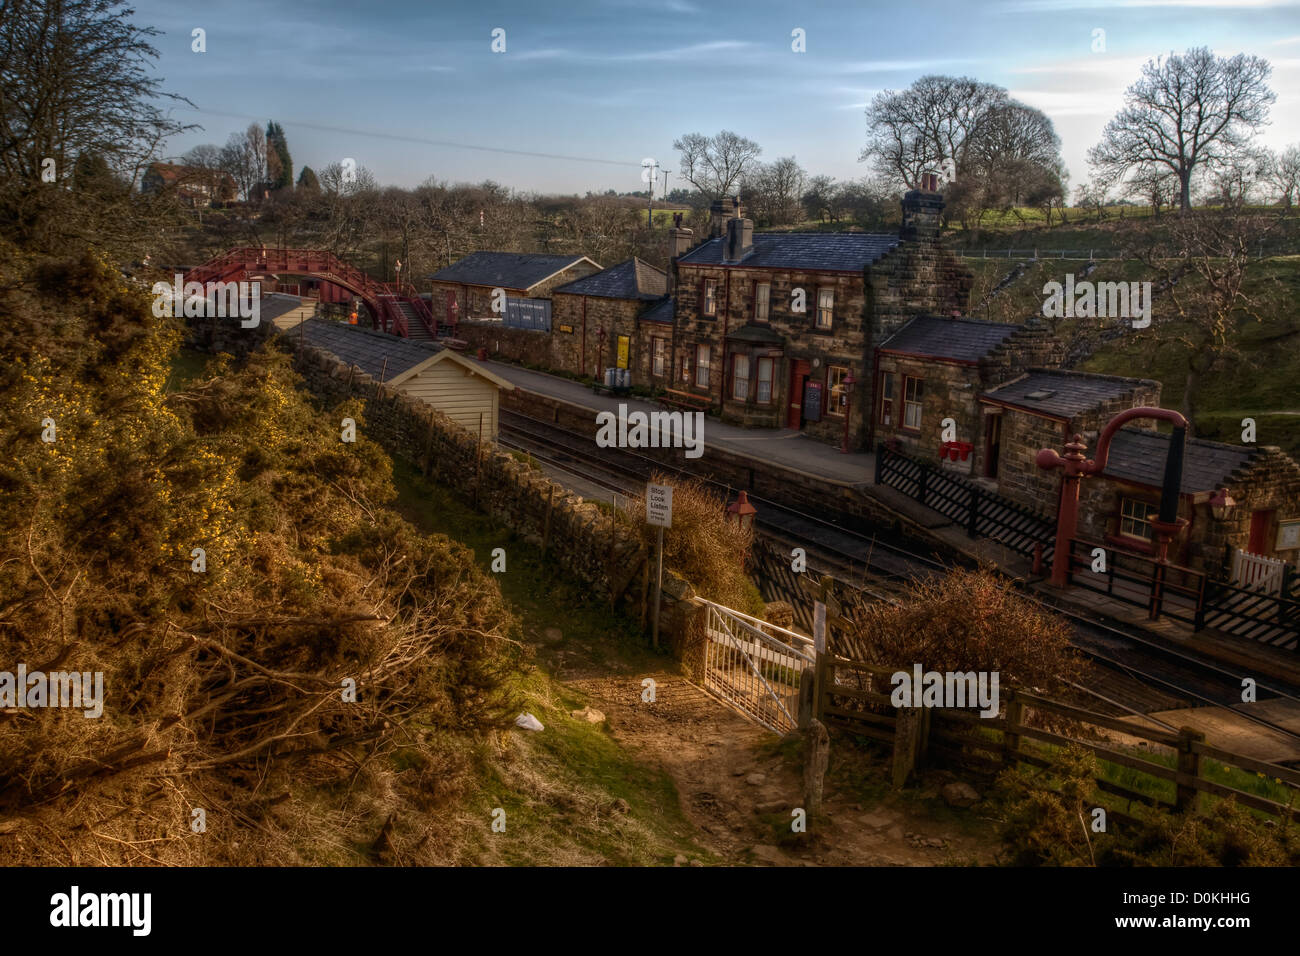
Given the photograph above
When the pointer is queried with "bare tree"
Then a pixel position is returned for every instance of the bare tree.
(714, 164)
(774, 190)
(1284, 174)
(929, 126)
(1186, 113)
(1202, 263)
(75, 80)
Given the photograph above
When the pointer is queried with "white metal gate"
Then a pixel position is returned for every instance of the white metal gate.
(754, 666)
(1257, 572)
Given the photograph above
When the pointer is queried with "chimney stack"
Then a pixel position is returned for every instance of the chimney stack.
(679, 243)
(739, 241)
(720, 212)
(921, 211)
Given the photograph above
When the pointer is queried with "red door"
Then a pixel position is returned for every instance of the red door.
(799, 372)
(1261, 523)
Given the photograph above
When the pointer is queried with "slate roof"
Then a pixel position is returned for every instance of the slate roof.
(277, 304)
(836, 251)
(1070, 392)
(1139, 456)
(633, 279)
(365, 348)
(954, 339)
(507, 270)
(661, 311)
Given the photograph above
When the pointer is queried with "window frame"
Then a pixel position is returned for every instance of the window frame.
(709, 298)
(887, 401)
(702, 369)
(831, 400)
(658, 356)
(1148, 508)
(758, 380)
(908, 403)
(765, 316)
(740, 361)
(817, 316)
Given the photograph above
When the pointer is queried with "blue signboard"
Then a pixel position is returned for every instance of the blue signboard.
(528, 314)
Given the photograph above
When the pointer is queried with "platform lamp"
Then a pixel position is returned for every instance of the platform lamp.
(742, 513)
(1222, 505)
(847, 384)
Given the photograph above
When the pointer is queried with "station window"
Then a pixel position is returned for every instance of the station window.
(825, 308)
(764, 381)
(1135, 518)
(913, 392)
(740, 377)
(710, 297)
(762, 301)
(659, 357)
(887, 398)
(702, 366)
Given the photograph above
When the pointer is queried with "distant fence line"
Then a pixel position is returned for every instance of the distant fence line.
(1085, 255)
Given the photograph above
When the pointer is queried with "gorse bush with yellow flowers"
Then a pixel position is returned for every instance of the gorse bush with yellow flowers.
(227, 689)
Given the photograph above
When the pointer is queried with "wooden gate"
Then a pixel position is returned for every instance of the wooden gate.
(1255, 572)
(755, 667)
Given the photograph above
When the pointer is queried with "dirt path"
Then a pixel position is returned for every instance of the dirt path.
(738, 786)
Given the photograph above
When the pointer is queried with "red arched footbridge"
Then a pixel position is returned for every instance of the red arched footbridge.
(393, 307)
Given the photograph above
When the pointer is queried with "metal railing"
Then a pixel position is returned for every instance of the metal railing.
(755, 666)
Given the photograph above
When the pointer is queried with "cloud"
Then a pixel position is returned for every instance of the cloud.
(1056, 6)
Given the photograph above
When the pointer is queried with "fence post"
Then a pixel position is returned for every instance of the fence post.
(1014, 720)
(922, 482)
(907, 738)
(1198, 620)
(1189, 764)
(1157, 592)
(1283, 595)
(972, 519)
(880, 461)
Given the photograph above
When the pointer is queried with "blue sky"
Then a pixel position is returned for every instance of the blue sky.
(601, 84)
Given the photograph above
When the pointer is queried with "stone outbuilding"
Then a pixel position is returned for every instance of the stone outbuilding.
(464, 290)
(929, 377)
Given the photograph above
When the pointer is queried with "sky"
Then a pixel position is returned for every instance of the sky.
(586, 90)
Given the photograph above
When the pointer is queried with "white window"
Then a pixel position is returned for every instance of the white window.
(913, 392)
(835, 375)
(764, 381)
(762, 301)
(1135, 518)
(740, 377)
(825, 307)
(702, 366)
(710, 296)
(659, 356)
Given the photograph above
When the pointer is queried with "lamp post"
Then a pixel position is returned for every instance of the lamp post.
(847, 384)
(1075, 466)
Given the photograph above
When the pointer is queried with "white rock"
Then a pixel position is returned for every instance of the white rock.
(528, 722)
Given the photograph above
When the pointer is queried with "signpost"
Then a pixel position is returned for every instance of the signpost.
(659, 513)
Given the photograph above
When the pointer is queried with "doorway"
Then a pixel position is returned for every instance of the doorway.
(992, 444)
(799, 372)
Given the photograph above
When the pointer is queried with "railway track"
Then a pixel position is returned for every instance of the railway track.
(1138, 675)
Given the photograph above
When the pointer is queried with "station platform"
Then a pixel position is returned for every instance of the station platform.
(781, 446)
(788, 450)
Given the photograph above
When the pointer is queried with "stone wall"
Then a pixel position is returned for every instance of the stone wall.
(572, 351)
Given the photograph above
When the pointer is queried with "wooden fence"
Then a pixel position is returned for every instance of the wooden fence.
(981, 512)
(1191, 596)
(854, 696)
